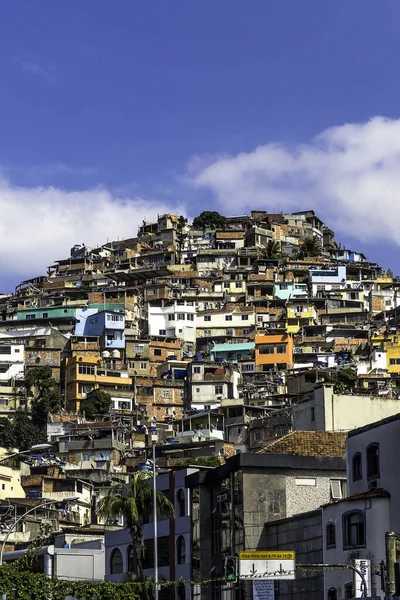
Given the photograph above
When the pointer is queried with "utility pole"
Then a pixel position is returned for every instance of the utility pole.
(390, 546)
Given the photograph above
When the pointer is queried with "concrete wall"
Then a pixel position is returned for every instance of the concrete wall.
(83, 564)
(377, 523)
(334, 412)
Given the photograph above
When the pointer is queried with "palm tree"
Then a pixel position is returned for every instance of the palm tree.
(134, 501)
(310, 247)
(272, 249)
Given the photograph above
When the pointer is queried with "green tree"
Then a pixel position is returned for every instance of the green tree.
(20, 432)
(209, 219)
(344, 380)
(99, 403)
(272, 249)
(310, 248)
(134, 501)
(46, 393)
(181, 235)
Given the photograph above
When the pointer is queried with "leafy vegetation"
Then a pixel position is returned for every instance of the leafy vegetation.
(344, 380)
(99, 404)
(20, 432)
(134, 501)
(310, 248)
(272, 249)
(209, 219)
(46, 394)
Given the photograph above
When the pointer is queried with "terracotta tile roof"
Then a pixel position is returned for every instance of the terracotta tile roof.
(309, 443)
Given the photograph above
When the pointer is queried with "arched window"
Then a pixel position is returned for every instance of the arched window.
(116, 563)
(181, 502)
(332, 593)
(357, 466)
(354, 529)
(330, 535)
(373, 470)
(129, 559)
(348, 590)
(181, 550)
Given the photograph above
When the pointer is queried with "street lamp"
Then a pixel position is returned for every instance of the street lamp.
(34, 448)
(153, 436)
(45, 503)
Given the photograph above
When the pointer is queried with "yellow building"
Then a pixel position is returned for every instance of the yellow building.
(10, 476)
(390, 343)
(299, 314)
(84, 374)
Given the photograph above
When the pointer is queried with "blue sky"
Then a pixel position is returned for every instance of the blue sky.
(112, 112)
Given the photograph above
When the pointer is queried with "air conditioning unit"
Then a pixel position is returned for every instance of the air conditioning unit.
(84, 395)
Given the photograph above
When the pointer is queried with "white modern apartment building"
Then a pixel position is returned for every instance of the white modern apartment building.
(175, 319)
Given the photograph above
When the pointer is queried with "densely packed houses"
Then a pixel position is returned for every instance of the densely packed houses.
(229, 334)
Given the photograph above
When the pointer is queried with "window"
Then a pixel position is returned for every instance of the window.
(116, 563)
(41, 343)
(257, 436)
(219, 389)
(190, 317)
(246, 331)
(165, 394)
(162, 332)
(180, 316)
(138, 348)
(86, 369)
(45, 315)
(129, 559)
(349, 590)
(197, 370)
(3, 402)
(245, 317)
(207, 317)
(283, 286)
(30, 317)
(181, 501)
(226, 284)
(338, 489)
(143, 366)
(266, 349)
(332, 594)
(157, 351)
(259, 319)
(197, 390)
(394, 361)
(373, 470)
(353, 529)
(312, 413)
(171, 317)
(281, 348)
(229, 332)
(180, 550)
(248, 368)
(357, 466)
(330, 535)
(228, 317)
(238, 285)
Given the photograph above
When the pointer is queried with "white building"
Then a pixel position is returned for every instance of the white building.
(328, 411)
(12, 367)
(225, 323)
(211, 382)
(327, 279)
(355, 527)
(174, 539)
(176, 319)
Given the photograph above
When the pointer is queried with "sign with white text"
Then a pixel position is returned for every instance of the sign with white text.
(364, 566)
(263, 589)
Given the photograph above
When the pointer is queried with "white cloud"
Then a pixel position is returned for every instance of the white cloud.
(40, 225)
(349, 174)
(35, 69)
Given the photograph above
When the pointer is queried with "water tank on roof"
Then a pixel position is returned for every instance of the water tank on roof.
(198, 357)
(116, 354)
(105, 354)
(172, 358)
(219, 360)
(143, 467)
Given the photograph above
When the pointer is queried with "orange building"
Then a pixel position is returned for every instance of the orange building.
(273, 350)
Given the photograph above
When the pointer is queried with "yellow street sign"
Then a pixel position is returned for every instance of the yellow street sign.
(267, 555)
